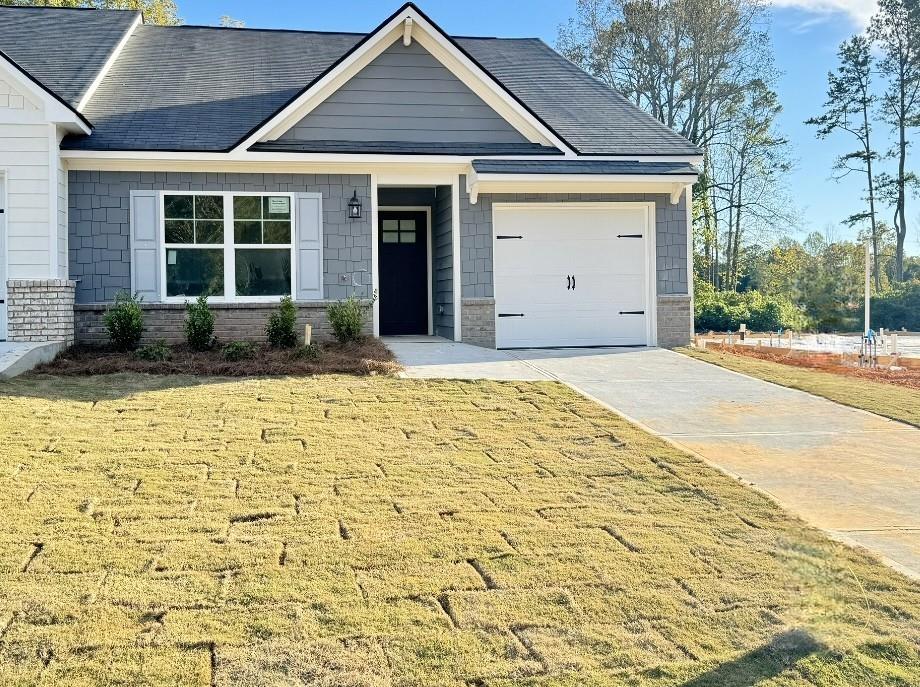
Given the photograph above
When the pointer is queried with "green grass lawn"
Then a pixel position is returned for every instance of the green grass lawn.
(375, 531)
(888, 400)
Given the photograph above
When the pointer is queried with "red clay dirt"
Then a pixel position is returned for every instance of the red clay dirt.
(834, 363)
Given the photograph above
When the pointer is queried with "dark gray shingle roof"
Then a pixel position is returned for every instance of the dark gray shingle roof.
(402, 147)
(583, 167)
(206, 88)
(64, 49)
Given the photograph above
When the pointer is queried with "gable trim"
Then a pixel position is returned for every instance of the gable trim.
(57, 109)
(113, 56)
(444, 49)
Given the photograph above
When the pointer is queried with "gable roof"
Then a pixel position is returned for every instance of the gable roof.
(63, 49)
(211, 87)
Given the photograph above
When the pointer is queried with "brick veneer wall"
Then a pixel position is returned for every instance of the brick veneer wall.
(232, 321)
(477, 321)
(675, 321)
(40, 310)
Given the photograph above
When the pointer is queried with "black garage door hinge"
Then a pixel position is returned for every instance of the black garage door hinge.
(629, 236)
(511, 314)
(632, 312)
(502, 238)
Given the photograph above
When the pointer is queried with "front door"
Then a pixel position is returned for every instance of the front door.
(2, 260)
(403, 272)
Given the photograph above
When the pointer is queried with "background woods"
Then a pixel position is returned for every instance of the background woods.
(705, 68)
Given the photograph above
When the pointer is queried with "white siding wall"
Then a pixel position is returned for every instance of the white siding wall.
(26, 139)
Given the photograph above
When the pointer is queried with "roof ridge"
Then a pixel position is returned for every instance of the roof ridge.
(71, 9)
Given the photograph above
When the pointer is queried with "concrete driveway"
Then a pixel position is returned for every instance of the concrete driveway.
(849, 472)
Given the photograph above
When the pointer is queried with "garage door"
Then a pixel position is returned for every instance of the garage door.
(571, 275)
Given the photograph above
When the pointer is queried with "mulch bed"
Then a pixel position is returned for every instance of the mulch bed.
(827, 362)
(366, 357)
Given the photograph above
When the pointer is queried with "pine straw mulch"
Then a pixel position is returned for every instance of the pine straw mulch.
(827, 362)
(366, 357)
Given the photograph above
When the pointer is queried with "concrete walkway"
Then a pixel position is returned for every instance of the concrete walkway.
(851, 473)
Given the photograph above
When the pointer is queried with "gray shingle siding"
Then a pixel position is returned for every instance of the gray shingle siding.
(442, 256)
(99, 230)
(404, 94)
(476, 236)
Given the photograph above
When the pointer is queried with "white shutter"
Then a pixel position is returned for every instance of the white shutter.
(309, 246)
(145, 245)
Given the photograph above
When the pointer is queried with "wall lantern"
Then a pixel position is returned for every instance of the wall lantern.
(354, 207)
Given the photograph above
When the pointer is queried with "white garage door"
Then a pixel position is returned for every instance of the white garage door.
(571, 275)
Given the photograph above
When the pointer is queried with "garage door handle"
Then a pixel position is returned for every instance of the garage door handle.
(629, 236)
(502, 238)
(632, 312)
(511, 314)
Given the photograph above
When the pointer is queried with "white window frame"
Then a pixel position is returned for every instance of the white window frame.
(228, 247)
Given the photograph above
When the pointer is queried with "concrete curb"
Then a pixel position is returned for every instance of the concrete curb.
(20, 362)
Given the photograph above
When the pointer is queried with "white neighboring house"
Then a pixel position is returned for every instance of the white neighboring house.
(487, 190)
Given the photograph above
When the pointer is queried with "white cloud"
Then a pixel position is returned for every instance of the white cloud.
(859, 11)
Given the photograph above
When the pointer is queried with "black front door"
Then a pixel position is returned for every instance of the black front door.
(403, 272)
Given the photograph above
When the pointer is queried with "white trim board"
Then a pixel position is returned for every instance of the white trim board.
(436, 42)
(55, 111)
(651, 272)
(430, 252)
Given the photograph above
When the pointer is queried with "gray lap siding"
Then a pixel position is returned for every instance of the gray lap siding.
(99, 231)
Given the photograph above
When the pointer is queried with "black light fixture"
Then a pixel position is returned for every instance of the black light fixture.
(354, 207)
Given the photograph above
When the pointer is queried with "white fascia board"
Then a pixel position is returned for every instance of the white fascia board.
(578, 183)
(54, 110)
(84, 101)
(433, 40)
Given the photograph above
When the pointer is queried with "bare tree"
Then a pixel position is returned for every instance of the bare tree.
(848, 109)
(896, 30)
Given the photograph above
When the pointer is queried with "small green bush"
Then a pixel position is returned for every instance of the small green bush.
(238, 350)
(347, 318)
(125, 321)
(723, 311)
(199, 324)
(282, 325)
(157, 352)
(310, 352)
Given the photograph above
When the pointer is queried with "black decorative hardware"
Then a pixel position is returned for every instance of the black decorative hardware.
(573, 282)
(568, 281)
(632, 312)
(629, 236)
(511, 314)
(502, 238)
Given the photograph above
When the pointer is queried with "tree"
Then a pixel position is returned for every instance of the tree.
(684, 61)
(229, 22)
(896, 31)
(848, 109)
(162, 12)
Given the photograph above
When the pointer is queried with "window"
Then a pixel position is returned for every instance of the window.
(398, 231)
(229, 246)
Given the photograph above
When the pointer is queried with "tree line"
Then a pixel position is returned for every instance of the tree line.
(705, 68)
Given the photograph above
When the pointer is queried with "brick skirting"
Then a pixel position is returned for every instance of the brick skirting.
(477, 322)
(675, 320)
(232, 321)
(40, 310)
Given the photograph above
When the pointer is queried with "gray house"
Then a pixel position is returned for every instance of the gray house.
(484, 189)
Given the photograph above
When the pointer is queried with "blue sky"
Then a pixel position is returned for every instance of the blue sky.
(805, 36)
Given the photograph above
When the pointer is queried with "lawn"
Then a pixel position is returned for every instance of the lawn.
(888, 400)
(375, 531)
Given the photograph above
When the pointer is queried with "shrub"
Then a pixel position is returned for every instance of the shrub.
(723, 311)
(282, 325)
(125, 321)
(158, 352)
(347, 318)
(898, 308)
(310, 352)
(199, 324)
(238, 350)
